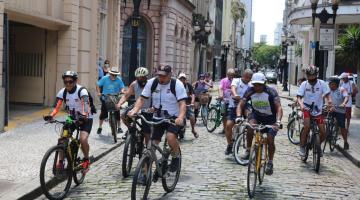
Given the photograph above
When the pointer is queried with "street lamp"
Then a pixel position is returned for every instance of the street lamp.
(324, 16)
(224, 53)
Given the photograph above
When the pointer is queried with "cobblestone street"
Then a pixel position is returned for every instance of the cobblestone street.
(208, 174)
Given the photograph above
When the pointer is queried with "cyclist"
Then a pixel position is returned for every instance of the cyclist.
(77, 101)
(266, 110)
(350, 86)
(189, 102)
(225, 94)
(340, 97)
(311, 93)
(113, 85)
(136, 88)
(200, 88)
(166, 103)
(238, 89)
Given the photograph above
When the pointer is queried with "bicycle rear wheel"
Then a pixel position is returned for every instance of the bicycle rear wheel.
(170, 179)
(304, 158)
(142, 178)
(316, 152)
(128, 155)
(113, 125)
(294, 131)
(78, 172)
(212, 119)
(240, 146)
(252, 173)
(56, 173)
(333, 139)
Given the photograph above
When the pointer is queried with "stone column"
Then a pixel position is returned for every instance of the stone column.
(163, 28)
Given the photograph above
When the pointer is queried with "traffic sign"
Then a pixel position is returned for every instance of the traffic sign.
(326, 38)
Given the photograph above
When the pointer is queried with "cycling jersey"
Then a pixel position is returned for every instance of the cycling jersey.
(263, 104)
(314, 94)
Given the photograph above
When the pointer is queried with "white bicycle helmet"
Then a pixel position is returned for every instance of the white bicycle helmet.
(141, 71)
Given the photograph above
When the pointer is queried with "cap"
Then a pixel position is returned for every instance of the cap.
(163, 70)
(182, 75)
(258, 78)
(344, 75)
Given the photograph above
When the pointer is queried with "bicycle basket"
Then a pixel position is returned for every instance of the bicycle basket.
(111, 101)
(204, 99)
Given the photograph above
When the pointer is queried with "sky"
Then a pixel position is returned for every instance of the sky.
(266, 14)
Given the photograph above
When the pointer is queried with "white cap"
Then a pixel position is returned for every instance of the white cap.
(344, 75)
(182, 75)
(258, 78)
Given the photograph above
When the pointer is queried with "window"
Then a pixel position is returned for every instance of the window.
(103, 27)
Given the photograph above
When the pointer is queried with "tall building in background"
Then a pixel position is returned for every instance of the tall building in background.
(246, 38)
(263, 39)
(277, 34)
(252, 33)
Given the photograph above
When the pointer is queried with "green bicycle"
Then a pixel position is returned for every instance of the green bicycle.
(214, 116)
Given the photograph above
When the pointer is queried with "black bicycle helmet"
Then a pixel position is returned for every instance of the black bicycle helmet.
(335, 80)
(71, 74)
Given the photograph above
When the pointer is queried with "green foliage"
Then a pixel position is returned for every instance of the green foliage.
(264, 54)
(238, 11)
(298, 50)
(350, 46)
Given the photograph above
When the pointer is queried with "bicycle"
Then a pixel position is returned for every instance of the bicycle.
(214, 116)
(295, 124)
(204, 109)
(62, 161)
(332, 131)
(240, 144)
(144, 170)
(313, 142)
(110, 102)
(134, 145)
(258, 157)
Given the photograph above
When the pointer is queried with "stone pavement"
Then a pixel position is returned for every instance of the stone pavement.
(208, 174)
(24, 146)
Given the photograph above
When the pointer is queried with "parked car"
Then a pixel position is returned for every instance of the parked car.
(271, 77)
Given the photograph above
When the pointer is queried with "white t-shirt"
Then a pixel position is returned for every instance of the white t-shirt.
(349, 87)
(164, 97)
(241, 87)
(73, 101)
(314, 94)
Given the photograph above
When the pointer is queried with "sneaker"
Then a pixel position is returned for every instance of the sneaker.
(246, 155)
(99, 131)
(174, 165)
(228, 149)
(120, 130)
(85, 165)
(346, 146)
(302, 152)
(269, 168)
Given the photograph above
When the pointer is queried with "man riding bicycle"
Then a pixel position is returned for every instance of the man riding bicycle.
(110, 85)
(310, 98)
(340, 97)
(200, 91)
(167, 103)
(226, 96)
(76, 99)
(266, 110)
(136, 88)
(238, 89)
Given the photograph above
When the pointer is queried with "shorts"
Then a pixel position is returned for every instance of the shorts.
(159, 130)
(348, 112)
(319, 119)
(104, 112)
(340, 118)
(87, 126)
(269, 120)
(189, 112)
(231, 114)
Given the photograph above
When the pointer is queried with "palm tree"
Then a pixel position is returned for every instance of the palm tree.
(350, 50)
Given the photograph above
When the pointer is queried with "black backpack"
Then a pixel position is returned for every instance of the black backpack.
(172, 85)
(91, 100)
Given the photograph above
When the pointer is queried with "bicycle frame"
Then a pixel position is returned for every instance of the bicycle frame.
(262, 143)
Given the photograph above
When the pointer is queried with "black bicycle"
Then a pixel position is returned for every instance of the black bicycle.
(240, 142)
(332, 131)
(62, 162)
(110, 102)
(295, 124)
(313, 142)
(150, 168)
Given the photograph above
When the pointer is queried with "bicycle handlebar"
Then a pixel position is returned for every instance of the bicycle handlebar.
(152, 122)
(258, 127)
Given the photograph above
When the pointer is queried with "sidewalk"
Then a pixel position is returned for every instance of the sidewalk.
(353, 153)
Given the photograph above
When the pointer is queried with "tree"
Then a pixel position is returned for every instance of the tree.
(265, 54)
(350, 50)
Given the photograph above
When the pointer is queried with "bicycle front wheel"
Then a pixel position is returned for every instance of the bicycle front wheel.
(128, 155)
(170, 179)
(316, 153)
(142, 178)
(252, 172)
(294, 131)
(240, 146)
(113, 125)
(333, 139)
(204, 114)
(56, 173)
(212, 119)
(263, 162)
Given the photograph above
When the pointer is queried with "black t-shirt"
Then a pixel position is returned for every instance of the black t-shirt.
(189, 91)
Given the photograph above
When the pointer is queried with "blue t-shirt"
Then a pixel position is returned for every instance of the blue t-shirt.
(110, 87)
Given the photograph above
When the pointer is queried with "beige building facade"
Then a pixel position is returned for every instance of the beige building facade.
(44, 38)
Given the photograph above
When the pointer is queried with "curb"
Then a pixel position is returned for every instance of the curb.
(355, 161)
(288, 98)
(32, 193)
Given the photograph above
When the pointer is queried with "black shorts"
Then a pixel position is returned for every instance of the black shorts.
(159, 130)
(104, 112)
(86, 126)
(340, 118)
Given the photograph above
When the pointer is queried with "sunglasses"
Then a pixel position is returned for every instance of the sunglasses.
(68, 82)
